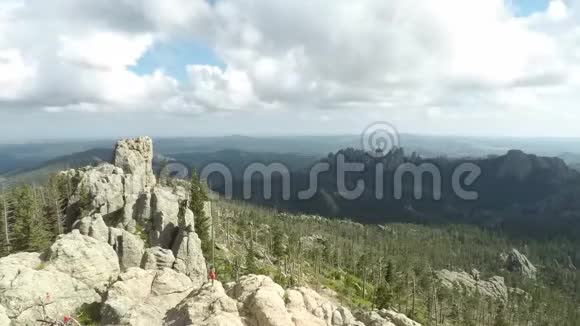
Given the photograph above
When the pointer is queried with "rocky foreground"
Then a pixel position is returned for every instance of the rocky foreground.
(133, 254)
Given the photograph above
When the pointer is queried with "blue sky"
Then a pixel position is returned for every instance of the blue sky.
(173, 57)
(528, 7)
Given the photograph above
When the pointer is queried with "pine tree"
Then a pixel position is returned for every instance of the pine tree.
(390, 273)
(251, 266)
(384, 296)
(57, 201)
(196, 203)
(5, 225)
(31, 232)
(278, 247)
(40, 237)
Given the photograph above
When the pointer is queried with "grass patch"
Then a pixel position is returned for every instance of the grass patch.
(89, 314)
(40, 266)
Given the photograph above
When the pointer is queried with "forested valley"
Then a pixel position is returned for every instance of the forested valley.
(419, 270)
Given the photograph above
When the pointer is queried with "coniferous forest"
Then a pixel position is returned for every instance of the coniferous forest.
(395, 265)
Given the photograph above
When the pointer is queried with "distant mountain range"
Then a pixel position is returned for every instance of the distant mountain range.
(524, 193)
(40, 172)
(15, 157)
(235, 160)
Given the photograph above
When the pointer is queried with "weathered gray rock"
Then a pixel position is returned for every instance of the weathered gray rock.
(24, 290)
(94, 226)
(519, 263)
(494, 287)
(157, 258)
(262, 301)
(372, 318)
(307, 306)
(142, 209)
(25, 259)
(385, 317)
(4, 320)
(475, 274)
(84, 258)
(187, 222)
(135, 195)
(165, 210)
(208, 306)
(129, 247)
(135, 157)
(397, 318)
(189, 257)
(105, 186)
(304, 318)
(143, 297)
(118, 192)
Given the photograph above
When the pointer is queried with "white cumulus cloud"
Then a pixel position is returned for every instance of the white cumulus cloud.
(432, 58)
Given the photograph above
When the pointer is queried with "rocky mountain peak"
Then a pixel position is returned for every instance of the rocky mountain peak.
(135, 157)
(143, 221)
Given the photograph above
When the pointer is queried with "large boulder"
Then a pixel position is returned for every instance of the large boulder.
(397, 318)
(494, 287)
(307, 306)
(4, 320)
(304, 318)
(189, 257)
(208, 306)
(103, 186)
(157, 258)
(25, 289)
(94, 226)
(143, 297)
(129, 247)
(519, 263)
(86, 259)
(25, 259)
(372, 318)
(262, 301)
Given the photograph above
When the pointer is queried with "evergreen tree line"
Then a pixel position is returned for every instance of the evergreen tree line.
(32, 216)
(393, 266)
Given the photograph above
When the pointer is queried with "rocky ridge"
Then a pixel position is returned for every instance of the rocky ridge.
(133, 253)
(518, 263)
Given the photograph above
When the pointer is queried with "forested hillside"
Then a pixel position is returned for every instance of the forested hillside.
(395, 265)
(524, 194)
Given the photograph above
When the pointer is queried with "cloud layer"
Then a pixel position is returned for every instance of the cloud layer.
(447, 60)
